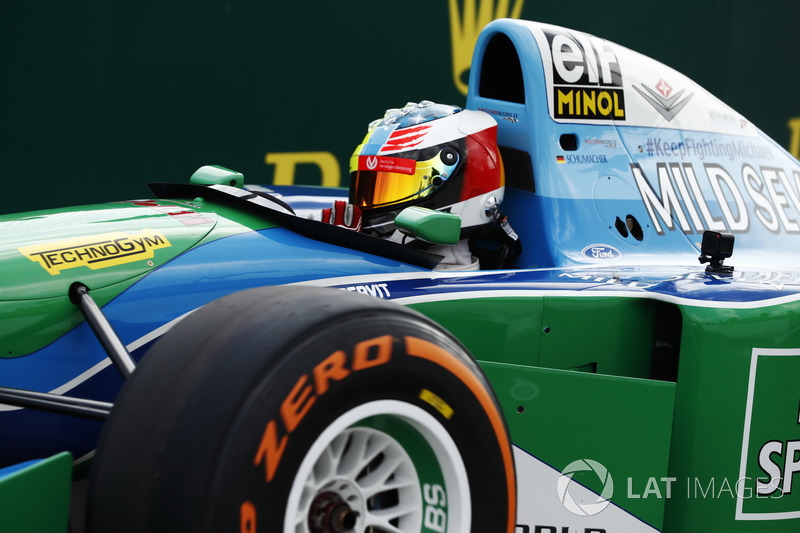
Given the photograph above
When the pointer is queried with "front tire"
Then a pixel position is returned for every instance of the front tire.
(305, 410)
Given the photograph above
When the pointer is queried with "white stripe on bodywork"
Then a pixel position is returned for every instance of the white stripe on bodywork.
(105, 363)
(533, 293)
(498, 290)
(457, 292)
(540, 509)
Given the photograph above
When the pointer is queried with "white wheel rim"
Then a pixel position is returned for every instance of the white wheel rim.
(334, 461)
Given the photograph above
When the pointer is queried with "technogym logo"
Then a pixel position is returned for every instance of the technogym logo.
(578, 505)
(96, 251)
(466, 22)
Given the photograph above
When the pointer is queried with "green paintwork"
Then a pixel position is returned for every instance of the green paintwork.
(216, 175)
(432, 226)
(36, 498)
(574, 375)
(497, 330)
(618, 418)
(712, 400)
(560, 416)
(615, 334)
(84, 245)
(774, 413)
(35, 323)
(43, 253)
(612, 335)
(686, 435)
(33, 301)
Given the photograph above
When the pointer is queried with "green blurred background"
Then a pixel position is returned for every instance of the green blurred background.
(100, 97)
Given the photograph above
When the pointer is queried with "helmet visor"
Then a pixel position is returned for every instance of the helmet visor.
(378, 188)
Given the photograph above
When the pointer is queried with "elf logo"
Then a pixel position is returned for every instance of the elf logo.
(580, 59)
(771, 444)
(587, 79)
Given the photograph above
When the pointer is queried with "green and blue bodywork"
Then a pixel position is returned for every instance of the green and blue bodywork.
(608, 343)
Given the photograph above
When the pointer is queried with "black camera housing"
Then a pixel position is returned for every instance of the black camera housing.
(714, 249)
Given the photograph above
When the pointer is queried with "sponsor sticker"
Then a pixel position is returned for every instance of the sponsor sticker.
(591, 80)
(386, 164)
(574, 159)
(587, 79)
(661, 98)
(96, 251)
(611, 144)
(601, 251)
(693, 197)
(379, 290)
(502, 115)
(770, 462)
(589, 103)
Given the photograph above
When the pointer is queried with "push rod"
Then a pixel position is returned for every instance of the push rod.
(79, 295)
(46, 401)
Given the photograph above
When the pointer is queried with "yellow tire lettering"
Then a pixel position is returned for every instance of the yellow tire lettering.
(435, 401)
(424, 349)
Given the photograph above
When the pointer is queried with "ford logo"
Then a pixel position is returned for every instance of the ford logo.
(601, 251)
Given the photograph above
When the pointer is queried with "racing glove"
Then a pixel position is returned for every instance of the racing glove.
(344, 215)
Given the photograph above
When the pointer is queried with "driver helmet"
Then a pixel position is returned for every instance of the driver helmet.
(430, 155)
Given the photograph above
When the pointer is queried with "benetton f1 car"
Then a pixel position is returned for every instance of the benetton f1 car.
(190, 355)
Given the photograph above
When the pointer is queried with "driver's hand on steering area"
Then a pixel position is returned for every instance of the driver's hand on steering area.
(344, 215)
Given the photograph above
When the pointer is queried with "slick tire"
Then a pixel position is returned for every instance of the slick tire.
(305, 410)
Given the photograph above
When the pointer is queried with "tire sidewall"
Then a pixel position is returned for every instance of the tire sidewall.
(240, 484)
(211, 465)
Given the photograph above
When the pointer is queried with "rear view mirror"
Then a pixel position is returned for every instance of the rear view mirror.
(429, 225)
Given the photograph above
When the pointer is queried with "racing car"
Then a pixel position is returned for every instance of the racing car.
(212, 359)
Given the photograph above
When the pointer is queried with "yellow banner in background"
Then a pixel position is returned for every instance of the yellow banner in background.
(794, 137)
(286, 162)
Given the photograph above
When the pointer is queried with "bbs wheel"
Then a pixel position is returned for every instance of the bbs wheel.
(305, 410)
